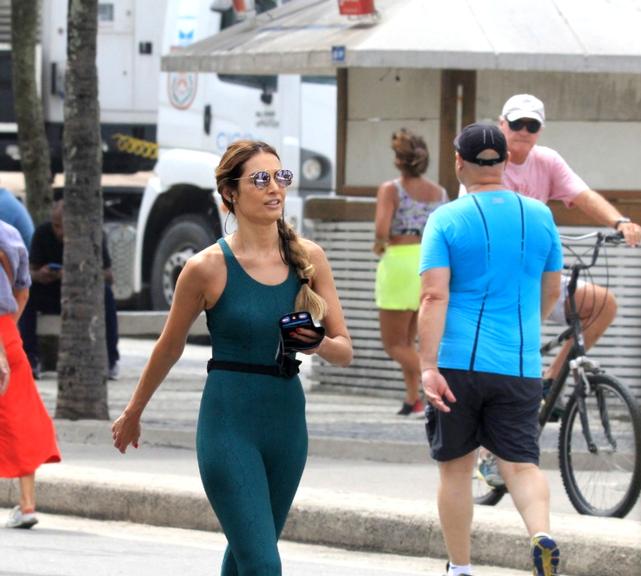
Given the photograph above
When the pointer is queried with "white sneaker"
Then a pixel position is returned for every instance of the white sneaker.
(19, 520)
(114, 371)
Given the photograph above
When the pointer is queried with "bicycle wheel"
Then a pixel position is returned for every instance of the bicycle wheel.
(484, 494)
(604, 480)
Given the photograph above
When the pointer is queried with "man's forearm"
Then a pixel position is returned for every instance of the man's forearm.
(431, 323)
(595, 206)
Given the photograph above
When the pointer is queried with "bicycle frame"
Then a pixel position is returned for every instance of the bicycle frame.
(577, 361)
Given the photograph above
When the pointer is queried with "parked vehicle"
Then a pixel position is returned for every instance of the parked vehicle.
(128, 61)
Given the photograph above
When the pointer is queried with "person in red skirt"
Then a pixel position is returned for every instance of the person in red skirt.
(27, 435)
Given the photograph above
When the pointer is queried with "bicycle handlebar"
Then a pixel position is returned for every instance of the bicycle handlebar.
(601, 239)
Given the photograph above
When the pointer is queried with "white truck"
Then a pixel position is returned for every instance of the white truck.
(128, 62)
(199, 115)
(152, 229)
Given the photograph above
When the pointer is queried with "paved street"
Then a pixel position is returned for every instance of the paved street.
(70, 546)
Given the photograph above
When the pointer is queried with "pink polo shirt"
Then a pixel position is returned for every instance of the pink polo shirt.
(545, 176)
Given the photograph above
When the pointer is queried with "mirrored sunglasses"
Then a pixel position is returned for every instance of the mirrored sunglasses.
(533, 126)
(262, 178)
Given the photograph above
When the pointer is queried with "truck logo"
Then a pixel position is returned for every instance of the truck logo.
(181, 89)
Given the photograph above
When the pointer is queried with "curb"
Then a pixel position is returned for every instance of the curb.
(338, 448)
(607, 547)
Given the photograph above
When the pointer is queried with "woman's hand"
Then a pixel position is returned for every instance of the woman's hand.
(5, 373)
(379, 246)
(307, 336)
(125, 431)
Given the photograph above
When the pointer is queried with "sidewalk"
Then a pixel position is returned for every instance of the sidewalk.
(369, 483)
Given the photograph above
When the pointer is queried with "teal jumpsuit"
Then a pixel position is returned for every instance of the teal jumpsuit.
(251, 438)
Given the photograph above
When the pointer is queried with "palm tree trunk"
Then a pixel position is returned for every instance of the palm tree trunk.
(82, 384)
(34, 147)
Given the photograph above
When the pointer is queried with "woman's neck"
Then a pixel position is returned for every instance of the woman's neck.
(256, 239)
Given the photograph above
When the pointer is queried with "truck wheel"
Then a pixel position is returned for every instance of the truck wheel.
(184, 237)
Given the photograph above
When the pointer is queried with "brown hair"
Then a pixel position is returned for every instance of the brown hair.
(412, 155)
(292, 251)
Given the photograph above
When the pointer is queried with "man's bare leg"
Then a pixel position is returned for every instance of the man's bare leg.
(456, 506)
(530, 492)
(597, 309)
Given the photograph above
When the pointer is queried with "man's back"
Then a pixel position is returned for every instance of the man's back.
(497, 246)
(13, 212)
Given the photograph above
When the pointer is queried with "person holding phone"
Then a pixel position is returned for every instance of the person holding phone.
(252, 436)
(45, 262)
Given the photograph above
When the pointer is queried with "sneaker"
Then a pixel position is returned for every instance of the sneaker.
(545, 556)
(19, 520)
(488, 471)
(417, 409)
(558, 410)
(447, 570)
(114, 371)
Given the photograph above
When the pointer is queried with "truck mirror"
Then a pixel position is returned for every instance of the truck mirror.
(266, 97)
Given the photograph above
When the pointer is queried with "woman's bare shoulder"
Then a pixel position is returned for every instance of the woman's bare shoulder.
(315, 251)
(204, 268)
(388, 187)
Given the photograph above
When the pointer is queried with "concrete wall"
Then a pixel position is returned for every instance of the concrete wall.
(594, 120)
(380, 102)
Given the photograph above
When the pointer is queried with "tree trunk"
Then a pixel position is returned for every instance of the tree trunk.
(34, 148)
(82, 382)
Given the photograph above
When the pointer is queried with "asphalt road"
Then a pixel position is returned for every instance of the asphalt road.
(69, 546)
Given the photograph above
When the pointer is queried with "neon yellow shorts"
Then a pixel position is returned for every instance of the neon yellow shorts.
(398, 284)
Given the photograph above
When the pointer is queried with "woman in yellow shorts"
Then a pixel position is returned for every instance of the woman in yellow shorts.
(403, 206)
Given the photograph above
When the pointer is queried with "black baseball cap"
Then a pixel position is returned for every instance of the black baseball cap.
(475, 138)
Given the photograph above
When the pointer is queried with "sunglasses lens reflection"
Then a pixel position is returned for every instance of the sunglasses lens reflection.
(284, 177)
(262, 178)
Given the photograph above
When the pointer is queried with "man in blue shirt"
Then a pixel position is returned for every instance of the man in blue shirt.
(14, 212)
(490, 270)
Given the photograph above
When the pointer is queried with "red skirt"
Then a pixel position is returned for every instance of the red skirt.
(27, 435)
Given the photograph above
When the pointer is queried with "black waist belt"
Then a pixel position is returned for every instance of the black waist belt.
(287, 369)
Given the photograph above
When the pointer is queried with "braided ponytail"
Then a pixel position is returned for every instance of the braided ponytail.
(294, 253)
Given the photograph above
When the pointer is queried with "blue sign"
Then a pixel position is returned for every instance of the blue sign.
(338, 54)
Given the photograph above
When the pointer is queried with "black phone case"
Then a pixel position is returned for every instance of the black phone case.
(290, 322)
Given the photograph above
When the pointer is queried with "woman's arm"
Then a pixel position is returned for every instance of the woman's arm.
(386, 203)
(5, 372)
(336, 347)
(190, 299)
(21, 295)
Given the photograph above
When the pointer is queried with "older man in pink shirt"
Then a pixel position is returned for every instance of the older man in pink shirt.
(541, 173)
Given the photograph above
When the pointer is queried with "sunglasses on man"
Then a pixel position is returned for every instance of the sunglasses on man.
(262, 178)
(533, 126)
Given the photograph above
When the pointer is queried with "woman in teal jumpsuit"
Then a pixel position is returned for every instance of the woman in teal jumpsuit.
(252, 435)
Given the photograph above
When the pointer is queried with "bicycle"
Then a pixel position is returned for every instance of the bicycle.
(599, 444)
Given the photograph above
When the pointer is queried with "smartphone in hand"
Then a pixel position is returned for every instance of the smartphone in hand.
(54, 266)
(290, 322)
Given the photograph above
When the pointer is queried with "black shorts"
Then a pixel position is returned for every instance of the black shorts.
(492, 410)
